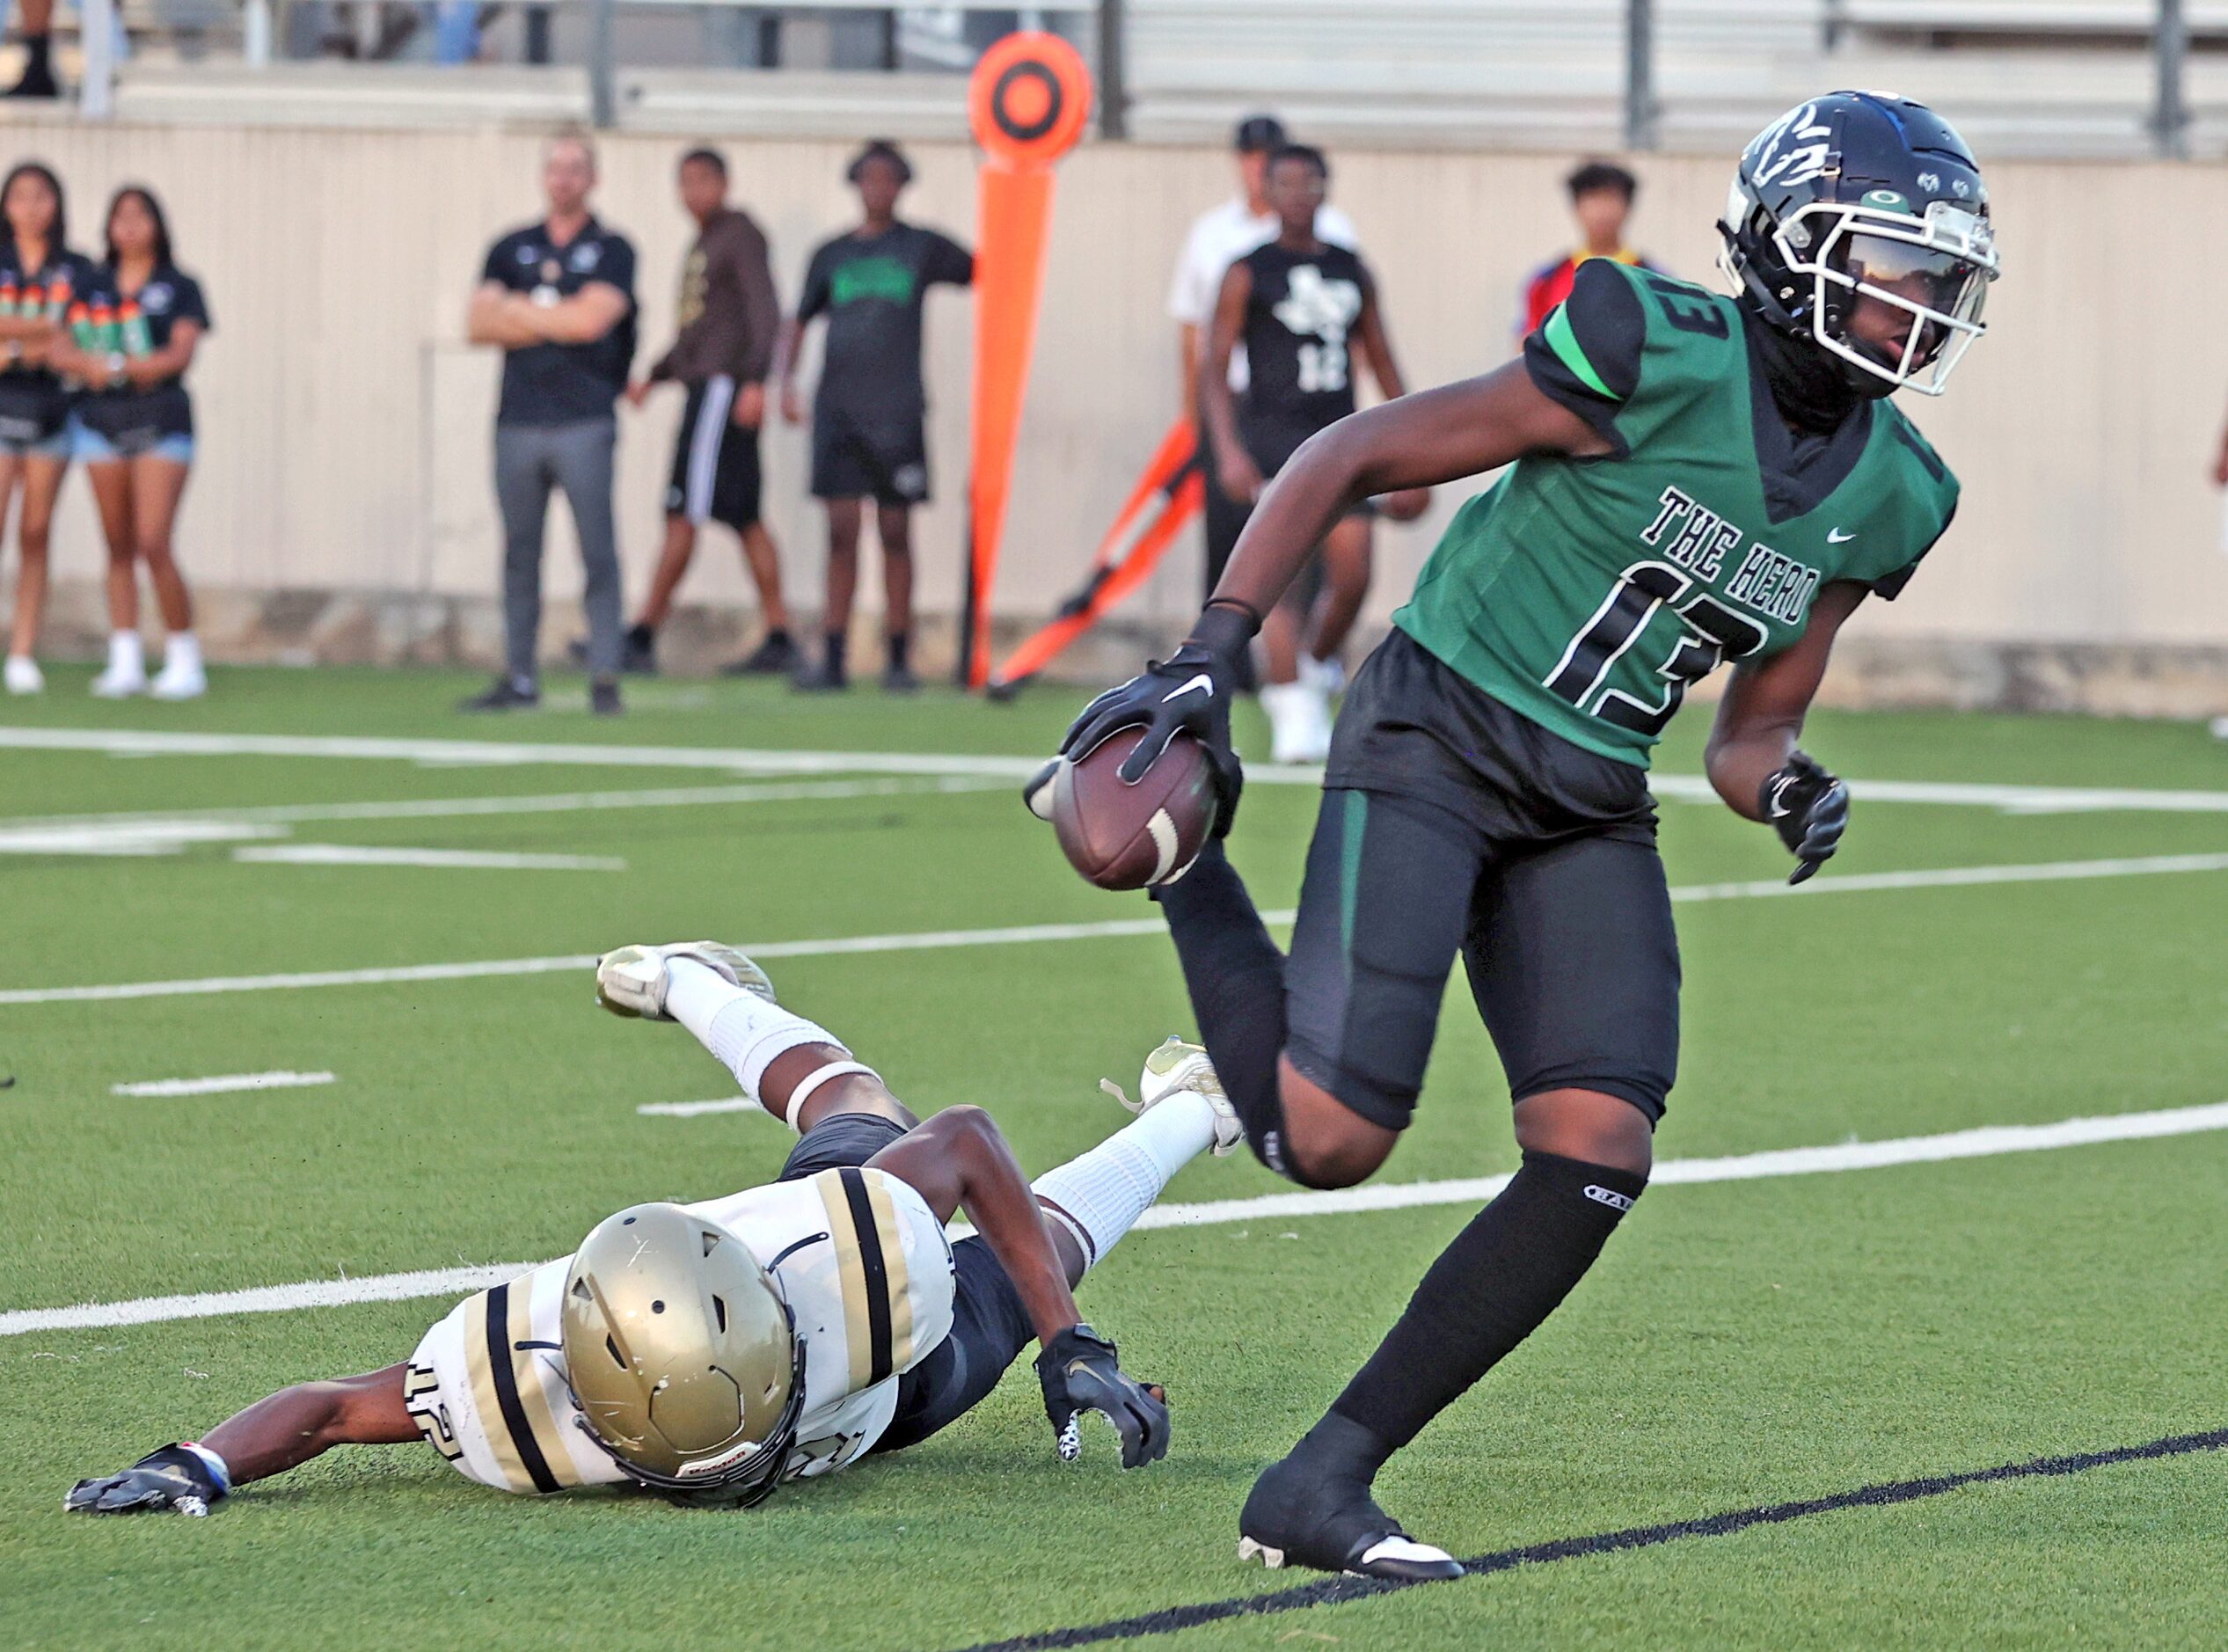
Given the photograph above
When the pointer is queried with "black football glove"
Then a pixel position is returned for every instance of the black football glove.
(1081, 1372)
(1188, 692)
(173, 1479)
(1809, 810)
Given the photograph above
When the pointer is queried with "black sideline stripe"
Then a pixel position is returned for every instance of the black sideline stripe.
(875, 1271)
(1332, 1591)
(505, 1376)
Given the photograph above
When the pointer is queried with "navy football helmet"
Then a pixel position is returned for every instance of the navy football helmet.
(1858, 221)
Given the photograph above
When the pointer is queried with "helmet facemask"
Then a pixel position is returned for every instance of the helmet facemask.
(1895, 294)
(749, 1474)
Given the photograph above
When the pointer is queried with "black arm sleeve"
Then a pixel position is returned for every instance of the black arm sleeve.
(1587, 353)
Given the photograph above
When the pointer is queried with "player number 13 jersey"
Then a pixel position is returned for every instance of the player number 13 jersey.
(1588, 594)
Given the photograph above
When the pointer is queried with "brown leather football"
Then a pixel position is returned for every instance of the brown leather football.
(1123, 836)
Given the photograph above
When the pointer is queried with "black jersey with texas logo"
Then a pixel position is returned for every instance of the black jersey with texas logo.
(1304, 308)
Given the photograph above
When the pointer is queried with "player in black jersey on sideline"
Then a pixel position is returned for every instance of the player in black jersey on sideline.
(1690, 478)
(1302, 308)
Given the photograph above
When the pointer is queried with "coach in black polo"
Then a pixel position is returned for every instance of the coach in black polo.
(558, 297)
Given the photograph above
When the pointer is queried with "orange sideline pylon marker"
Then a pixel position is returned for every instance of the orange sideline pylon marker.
(1028, 102)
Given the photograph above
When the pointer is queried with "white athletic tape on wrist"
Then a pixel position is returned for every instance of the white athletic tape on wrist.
(217, 1466)
(812, 1081)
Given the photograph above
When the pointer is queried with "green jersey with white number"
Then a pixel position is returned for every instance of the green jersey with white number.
(1588, 594)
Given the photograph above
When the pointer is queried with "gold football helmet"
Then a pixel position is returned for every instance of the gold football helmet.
(683, 1356)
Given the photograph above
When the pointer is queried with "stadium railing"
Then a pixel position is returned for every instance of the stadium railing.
(2075, 78)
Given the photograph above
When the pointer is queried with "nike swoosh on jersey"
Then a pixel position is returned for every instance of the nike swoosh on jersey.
(1202, 681)
(1834, 535)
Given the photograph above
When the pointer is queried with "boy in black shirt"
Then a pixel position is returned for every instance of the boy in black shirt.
(868, 419)
(1294, 304)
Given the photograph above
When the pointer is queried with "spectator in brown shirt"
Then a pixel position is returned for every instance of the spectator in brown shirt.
(729, 319)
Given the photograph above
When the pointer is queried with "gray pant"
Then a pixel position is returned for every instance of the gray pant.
(529, 460)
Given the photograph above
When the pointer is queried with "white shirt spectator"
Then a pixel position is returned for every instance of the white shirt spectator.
(1219, 237)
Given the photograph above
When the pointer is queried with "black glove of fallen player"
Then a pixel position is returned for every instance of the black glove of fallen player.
(1809, 810)
(1081, 1372)
(173, 1479)
(1188, 692)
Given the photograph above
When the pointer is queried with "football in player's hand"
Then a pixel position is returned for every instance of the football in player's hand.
(1124, 837)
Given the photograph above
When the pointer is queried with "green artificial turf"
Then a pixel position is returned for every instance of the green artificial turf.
(1740, 1343)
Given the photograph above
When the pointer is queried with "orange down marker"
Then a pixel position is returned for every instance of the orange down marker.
(1028, 102)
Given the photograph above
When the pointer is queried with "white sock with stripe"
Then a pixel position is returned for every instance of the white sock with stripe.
(743, 1032)
(1100, 1195)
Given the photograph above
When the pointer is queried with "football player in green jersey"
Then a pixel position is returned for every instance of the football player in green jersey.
(1691, 478)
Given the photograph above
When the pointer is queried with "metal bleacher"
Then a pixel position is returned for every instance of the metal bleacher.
(2075, 78)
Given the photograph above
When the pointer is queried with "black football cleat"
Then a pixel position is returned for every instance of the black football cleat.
(504, 694)
(1295, 1518)
(777, 655)
(824, 678)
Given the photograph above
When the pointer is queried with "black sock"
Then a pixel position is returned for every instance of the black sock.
(778, 635)
(836, 642)
(1488, 1291)
(1236, 977)
(901, 644)
(640, 635)
(35, 51)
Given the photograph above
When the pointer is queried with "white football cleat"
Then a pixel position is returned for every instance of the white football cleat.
(178, 681)
(22, 675)
(1176, 1067)
(633, 980)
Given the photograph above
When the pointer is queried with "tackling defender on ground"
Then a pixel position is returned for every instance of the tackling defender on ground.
(1693, 479)
(710, 1352)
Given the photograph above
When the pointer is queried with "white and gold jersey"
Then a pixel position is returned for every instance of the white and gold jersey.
(867, 1272)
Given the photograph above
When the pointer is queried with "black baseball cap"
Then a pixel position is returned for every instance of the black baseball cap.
(1258, 134)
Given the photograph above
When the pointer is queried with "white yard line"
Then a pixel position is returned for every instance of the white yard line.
(495, 753)
(697, 1109)
(1022, 934)
(746, 760)
(44, 829)
(465, 859)
(281, 1080)
(1990, 1142)
(148, 836)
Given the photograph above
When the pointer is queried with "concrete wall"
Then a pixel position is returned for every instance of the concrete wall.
(345, 425)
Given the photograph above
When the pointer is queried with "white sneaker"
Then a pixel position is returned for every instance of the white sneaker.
(1173, 1068)
(176, 682)
(118, 683)
(1325, 677)
(2220, 728)
(633, 980)
(23, 675)
(1299, 722)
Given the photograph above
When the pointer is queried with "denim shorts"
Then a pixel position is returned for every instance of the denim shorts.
(89, 446)
(55, 444)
